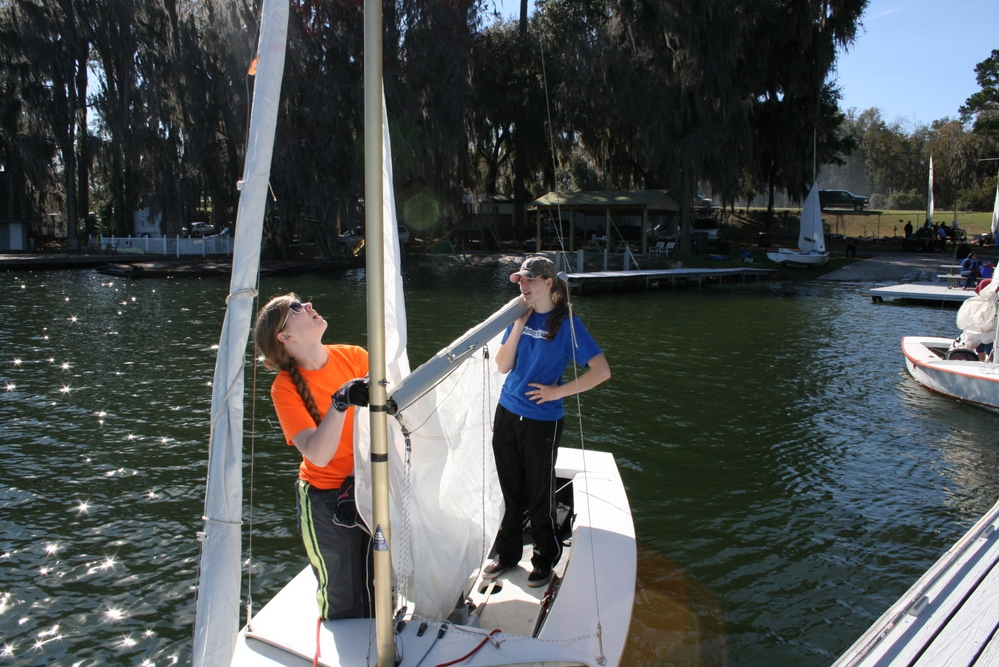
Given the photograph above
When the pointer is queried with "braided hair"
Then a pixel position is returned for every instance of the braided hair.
(560, 297)
(276, 357)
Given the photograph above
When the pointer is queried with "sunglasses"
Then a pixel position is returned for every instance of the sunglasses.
(293, 307)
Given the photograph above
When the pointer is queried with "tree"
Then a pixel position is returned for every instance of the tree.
(982, 108)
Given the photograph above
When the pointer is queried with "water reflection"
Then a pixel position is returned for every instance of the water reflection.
(788, 480)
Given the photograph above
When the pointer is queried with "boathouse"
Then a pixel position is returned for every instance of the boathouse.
(604, 218)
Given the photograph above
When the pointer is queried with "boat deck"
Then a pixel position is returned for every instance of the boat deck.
(949, 617)
(644, 279)
(921, 292)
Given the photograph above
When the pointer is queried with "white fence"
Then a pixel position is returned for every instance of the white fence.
(165, 245)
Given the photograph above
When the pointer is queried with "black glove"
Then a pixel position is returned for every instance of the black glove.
(353, 392)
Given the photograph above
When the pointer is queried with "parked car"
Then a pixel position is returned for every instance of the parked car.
(708, 225)
(702, 202)
(550, 237)
(356, 235)
(202, 229)
(841, 199)
(352, 237)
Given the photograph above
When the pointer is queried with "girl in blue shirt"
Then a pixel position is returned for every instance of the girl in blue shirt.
(535, 352)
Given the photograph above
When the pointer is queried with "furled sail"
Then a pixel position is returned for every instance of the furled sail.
(811, 236)
(929, 195)
(217, 614)
(995, 212)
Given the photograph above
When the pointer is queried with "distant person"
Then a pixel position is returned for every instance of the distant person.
(970, 269)
(985, 273)
(942, 231)
(908, 228)
(851, 247)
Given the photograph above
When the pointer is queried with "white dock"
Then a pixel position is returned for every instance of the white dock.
(949, 617)
(644, 279)
(921, 292)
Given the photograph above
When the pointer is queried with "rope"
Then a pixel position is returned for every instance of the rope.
(472, 652)
(601, 659)
(315, 658)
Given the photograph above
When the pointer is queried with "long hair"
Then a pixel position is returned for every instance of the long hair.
(560, 297)
(276, 357)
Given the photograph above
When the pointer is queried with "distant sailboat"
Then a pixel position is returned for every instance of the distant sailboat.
(929, 197)
(811, 235)
(995, 212)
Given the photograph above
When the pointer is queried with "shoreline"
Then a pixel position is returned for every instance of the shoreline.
(877, 267)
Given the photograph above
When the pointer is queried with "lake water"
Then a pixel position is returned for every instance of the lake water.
(788, 480)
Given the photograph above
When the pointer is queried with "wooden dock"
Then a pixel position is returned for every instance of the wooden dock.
(949, 617)
(646, 279)
(921, 292)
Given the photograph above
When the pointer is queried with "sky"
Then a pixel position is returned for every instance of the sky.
(913, 59)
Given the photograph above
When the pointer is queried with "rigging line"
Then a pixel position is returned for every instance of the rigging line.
(253, 441)
(551, 143)
(575, 366)
(487, 391)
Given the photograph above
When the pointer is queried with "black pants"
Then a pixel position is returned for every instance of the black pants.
(341, 557)
(525, 451)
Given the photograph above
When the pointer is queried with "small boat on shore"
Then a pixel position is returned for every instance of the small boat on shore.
(811, 236)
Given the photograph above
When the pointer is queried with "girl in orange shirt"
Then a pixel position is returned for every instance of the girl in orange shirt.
(311, 378)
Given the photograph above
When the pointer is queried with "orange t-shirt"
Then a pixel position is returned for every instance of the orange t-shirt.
(345, 363)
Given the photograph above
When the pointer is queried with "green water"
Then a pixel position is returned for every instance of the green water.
(788, 480)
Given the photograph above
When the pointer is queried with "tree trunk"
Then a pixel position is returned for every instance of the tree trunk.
(768, 224)
(83, 150)
(520, 158)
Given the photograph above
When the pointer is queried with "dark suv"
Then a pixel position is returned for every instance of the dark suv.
(841, 199)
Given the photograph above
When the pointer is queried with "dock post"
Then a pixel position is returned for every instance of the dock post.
(606, 256)
(579, 261)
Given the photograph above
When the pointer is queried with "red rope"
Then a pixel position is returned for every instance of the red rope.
(470, 653)
(315, 658)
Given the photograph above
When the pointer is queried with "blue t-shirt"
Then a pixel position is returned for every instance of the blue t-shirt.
(543, 361)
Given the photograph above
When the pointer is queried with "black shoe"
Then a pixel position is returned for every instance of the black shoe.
(494, 569)
(539, 577)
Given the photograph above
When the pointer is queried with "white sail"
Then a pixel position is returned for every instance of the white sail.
(995, 212)
(443, 517)
(811, 236)
(217, 614)
(929, 195)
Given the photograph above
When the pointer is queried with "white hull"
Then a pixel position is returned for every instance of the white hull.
(948, 617)
(783, 256)
(967, 381)
(603, 541)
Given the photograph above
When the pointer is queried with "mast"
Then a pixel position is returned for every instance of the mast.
(995, 212)
(929, 195)
(375, 279)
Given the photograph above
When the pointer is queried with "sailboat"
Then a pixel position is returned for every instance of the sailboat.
(811, 235)
(426, 482)
(995, 213)
(929, 198)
